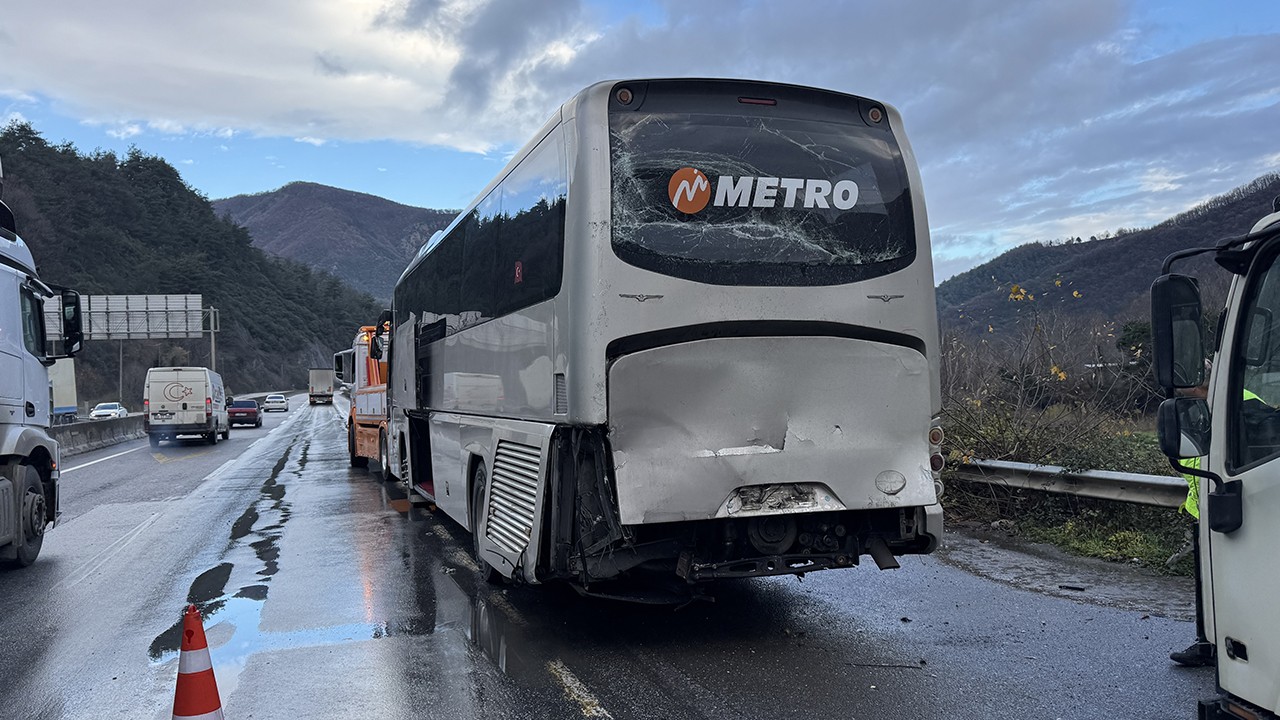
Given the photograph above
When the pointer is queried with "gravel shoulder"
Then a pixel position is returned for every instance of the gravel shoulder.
(1048, 570)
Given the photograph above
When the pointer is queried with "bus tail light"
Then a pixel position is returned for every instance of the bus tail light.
(937, 460)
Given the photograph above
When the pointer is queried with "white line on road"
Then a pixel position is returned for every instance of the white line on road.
(577, 691)
(95, 462)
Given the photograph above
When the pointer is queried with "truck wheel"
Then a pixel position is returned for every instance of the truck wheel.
(488, 573)
(356, 460)
(32, 516)
(226, 433)
(212, 437)
(155, 441)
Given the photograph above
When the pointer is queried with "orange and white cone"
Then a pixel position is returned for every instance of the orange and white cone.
(197, 695)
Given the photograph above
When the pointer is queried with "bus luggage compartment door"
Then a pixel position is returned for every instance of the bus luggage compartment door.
(692, 423)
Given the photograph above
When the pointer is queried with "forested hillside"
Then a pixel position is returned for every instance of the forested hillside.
(363, 239)
(109, 225)
(1100, 277)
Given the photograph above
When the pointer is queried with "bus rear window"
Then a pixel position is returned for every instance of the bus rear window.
(755, 199)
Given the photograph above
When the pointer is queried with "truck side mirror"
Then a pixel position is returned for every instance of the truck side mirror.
(1183, 424)
(1176, 326)
(72, 322)
(337, 366)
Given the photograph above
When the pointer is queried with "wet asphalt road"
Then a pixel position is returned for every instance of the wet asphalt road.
(327, 595)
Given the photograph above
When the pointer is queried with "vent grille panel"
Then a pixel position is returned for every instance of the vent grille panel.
(562, 395)
(513, 492)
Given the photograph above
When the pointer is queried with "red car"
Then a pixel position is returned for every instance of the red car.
(244, 412)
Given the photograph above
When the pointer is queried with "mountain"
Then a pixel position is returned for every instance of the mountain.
(363, 239)
(108, 225)
(1101, 278)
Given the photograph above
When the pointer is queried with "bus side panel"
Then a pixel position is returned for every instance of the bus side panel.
(449, 467)
(504, 367)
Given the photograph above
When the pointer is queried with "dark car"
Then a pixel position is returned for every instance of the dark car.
(245, 412)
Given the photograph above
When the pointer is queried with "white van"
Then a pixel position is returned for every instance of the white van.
(185, 401)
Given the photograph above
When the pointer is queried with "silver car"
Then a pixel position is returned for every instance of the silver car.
(107, 410)
(275, 402)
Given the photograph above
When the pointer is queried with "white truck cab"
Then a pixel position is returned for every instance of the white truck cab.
(28, 454)
(1238, 427)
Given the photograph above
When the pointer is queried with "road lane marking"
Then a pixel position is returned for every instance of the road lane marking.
(106, 553)
(95, 462)
(577, 691)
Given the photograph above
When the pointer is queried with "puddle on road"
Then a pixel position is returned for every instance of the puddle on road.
(209, 590)
(233, 618)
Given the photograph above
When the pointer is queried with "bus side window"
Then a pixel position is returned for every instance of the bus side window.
(529, 253)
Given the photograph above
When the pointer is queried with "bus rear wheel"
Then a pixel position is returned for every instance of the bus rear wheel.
(488, 573)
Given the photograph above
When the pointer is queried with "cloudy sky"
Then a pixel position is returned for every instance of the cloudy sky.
(1031, 120)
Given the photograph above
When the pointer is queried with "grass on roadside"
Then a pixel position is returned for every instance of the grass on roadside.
(1120, 532)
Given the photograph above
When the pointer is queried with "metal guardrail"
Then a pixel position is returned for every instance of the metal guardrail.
(1161, 490)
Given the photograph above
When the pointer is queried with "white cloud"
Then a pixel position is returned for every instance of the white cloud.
(13, 116)
(126, 131)
(167, 127)
(317, 142)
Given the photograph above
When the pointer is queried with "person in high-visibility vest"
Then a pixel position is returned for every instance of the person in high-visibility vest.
(1202, 651)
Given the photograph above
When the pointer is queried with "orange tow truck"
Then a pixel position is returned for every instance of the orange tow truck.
(363, 369)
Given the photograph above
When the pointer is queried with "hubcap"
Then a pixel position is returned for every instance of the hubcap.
(33, 514)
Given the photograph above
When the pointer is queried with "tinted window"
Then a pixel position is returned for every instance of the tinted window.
(505, 254)
(477, 261)
(759, 199)
(244, 404)
(528, 258)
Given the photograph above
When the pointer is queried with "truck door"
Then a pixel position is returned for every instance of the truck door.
(1244, 585)
(36, 401)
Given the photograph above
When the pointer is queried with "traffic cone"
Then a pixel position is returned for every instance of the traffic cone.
(197, 695)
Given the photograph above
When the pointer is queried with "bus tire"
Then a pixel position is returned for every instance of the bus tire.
(212, 437)
(488, 573)
(356, 460)
(382, 472)
(155, 440)
(226, 432)
(33, 516)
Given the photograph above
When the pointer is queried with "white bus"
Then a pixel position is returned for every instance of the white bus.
(689, 331)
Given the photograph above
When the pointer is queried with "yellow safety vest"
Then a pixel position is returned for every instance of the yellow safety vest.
(1192, 503)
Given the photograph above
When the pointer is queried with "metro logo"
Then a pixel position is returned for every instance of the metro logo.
(690, 192)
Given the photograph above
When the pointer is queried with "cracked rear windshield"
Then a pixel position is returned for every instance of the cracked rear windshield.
(758, 200)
